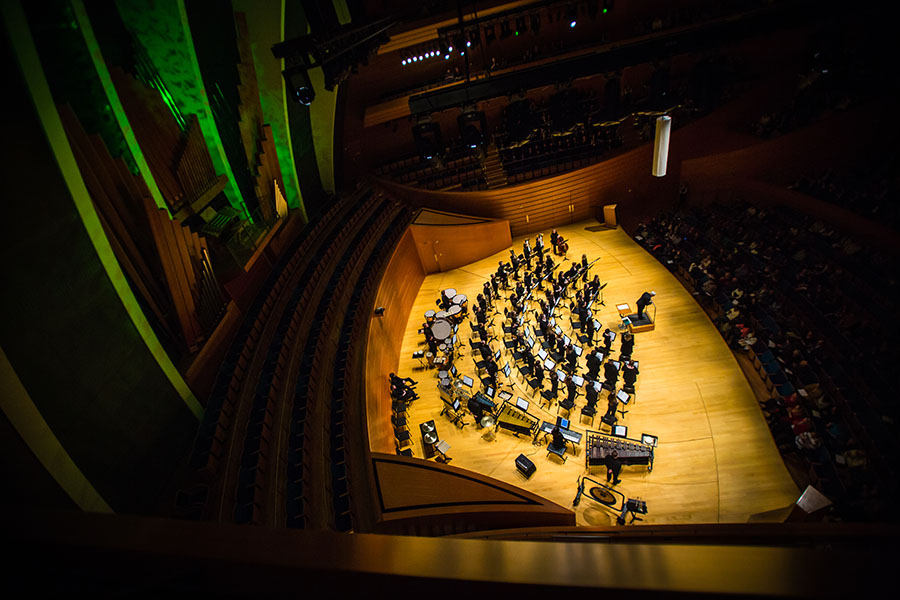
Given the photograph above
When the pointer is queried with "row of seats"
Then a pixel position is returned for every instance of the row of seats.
(250, 497)
(348, 365)
(311, 379)
(209, 444)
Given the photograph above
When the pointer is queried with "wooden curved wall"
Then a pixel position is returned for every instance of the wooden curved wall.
(396, 292)
(446, 247)
(539, 205)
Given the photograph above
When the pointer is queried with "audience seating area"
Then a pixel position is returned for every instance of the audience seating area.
(814, 312)
(270, 448)
(459, 169)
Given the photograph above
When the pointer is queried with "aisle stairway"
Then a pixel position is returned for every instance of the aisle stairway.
(494, 173)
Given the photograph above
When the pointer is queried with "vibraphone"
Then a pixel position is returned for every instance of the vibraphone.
(631, 452)
(516, 420)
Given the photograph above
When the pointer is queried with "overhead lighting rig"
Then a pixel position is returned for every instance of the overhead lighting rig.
(338, 53)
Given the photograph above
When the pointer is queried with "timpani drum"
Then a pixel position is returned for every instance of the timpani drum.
(448, 294)
(441, 329)
(429, 317)
(445, 382)
(461, 301)
(429, 358)
(455, 313)
(439, 315)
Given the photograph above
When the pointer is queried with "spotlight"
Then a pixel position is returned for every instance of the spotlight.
(403, 62)
(449, 48)
(572, 15)
(446, 57)
(299, 85)
(468, 44)
(421, 57)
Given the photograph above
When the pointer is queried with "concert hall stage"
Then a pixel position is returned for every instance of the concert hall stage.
(715, 461)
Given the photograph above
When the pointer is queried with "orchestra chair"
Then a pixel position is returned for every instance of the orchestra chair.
(576, 325)
(404, 438)
(549, 397)
(589, 411)
(398, 421)
(559, 451)
(565, 405)
(609, 419)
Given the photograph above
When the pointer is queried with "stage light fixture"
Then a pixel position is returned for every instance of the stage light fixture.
(446, 57)
(572, 15)
(403, 62)
(301, 89)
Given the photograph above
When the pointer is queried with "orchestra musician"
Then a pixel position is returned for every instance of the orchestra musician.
(593, 364)
(514, 261)
(538, 370)
(487, 292)
(539, 246)
(590, 392)
(607, 341)
(554, 238)
(526, 250)
(627, 344)
(557, 438)
(629, 375)
(572, 358)
(571, 388)
(613, 467)
(611, 373)
(561, 247)
(482, 303)
(589, 330)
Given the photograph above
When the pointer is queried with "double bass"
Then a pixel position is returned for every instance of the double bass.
(562, 246)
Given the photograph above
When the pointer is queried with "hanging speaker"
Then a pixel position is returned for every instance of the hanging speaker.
(661, 145)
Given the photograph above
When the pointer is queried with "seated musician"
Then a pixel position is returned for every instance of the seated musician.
(529, 280)
(613, 467)
(557, 439)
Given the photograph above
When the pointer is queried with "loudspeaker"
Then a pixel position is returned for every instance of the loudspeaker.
(524, 464)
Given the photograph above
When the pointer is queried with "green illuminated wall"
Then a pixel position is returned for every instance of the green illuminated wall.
(72, 331)
(265, 26)
(162, 28)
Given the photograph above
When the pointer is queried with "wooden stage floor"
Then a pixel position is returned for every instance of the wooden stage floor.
(715, 462)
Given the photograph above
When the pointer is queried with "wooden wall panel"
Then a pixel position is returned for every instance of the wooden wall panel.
(538, 205)
(446, 247)
(396, 292)
(415, 494)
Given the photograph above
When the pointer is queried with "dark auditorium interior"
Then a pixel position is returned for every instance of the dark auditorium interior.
(221, 232)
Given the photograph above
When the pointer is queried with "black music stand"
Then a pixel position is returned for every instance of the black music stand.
(633, 506)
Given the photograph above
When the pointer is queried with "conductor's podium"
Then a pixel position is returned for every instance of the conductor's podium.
(635, 325)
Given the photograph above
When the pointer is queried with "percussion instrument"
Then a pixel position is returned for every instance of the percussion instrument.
(441, 314)
(460, 300)
(516, 420)
(429, 317)
(429, 358)
(455, 313)
(631, 452)
(430, 437)
(442, 330)
(487, 420)
(448, 294)
(445, 382)
(428, 427)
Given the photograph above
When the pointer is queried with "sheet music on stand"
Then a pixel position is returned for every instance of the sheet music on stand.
(507, 370)
(543, 354)
(467, 380)
(504, 395)
(579, 380)
(560, 375)
(522, 403)
(549, 364)
(622, 397)
(578, 350)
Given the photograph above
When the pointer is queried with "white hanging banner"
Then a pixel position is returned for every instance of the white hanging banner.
(661, 145)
